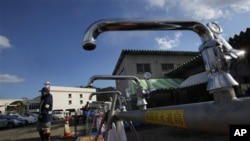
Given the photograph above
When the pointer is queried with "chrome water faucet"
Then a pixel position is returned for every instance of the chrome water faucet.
(215, 50)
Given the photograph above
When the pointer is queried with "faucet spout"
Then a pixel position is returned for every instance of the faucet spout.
(141, 24)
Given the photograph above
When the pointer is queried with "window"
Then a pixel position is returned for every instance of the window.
(80, 95)
(70, 95)
(81, 102)
(34, 106)
(70, 102)
(167, 66)
(141, 68)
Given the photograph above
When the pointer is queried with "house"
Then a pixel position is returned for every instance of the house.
(156, 62)
(186, 67)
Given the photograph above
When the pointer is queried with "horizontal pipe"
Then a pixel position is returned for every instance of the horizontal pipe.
(105, 92)
(112, 77)
(205, 116)
(141, 24)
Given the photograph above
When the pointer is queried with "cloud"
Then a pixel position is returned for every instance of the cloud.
(200, 9)
(8, 78)
(164, 5)
(4, 42)
(240, 6)
(157, 3)
(167, 43)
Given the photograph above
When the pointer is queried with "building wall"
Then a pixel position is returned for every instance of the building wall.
(155, 61)
(34, 104)
(128, 65)
(63, 100)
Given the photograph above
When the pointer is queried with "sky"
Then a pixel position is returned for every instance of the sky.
(41, 40)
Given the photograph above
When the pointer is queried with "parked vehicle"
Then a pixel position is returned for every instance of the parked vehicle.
(30, 117)
(23, 122)
(3, 122)
(35, 114)
(58, 115)
(32, 114)
(17, 116)
(12, 121)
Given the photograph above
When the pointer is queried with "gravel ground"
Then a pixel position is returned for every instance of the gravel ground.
(159, 133)
(146, 132)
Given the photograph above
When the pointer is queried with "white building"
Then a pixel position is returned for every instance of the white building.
(64, 98)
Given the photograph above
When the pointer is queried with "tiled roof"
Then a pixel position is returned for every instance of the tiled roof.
(240, 40)
(157, 52)
(178, 71)
(150, 52)
(195, 79)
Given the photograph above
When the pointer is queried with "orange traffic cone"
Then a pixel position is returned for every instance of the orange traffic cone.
(67, 132)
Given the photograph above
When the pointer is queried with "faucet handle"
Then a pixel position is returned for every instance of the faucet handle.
(150, 88)
(228, 49)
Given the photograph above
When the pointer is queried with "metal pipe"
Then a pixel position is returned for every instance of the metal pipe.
(132, 128)
(123, 108)
(99, 128)
(224, 95)
(115, 95)
(105, 92)
(141, 102)
(207, 116)
(111, 77)
(141, 24)
(111, 116)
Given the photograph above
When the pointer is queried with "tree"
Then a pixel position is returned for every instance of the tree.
(105, 97)
(17, 107)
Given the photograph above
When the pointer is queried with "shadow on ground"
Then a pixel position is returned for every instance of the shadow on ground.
(54, 138)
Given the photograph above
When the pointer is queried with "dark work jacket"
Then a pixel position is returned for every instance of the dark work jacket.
(45, 111)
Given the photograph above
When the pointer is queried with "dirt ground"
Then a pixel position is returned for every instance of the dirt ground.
(163, 133)
(160, 133)
(146, 133)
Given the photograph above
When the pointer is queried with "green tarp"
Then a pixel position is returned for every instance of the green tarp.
(156, 84)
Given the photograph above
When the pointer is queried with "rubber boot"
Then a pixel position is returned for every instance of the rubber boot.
(42, 135)
(47, 135)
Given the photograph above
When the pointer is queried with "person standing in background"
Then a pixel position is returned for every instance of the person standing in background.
(45, 115)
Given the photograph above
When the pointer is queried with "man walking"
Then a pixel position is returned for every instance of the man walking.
(45, 114)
